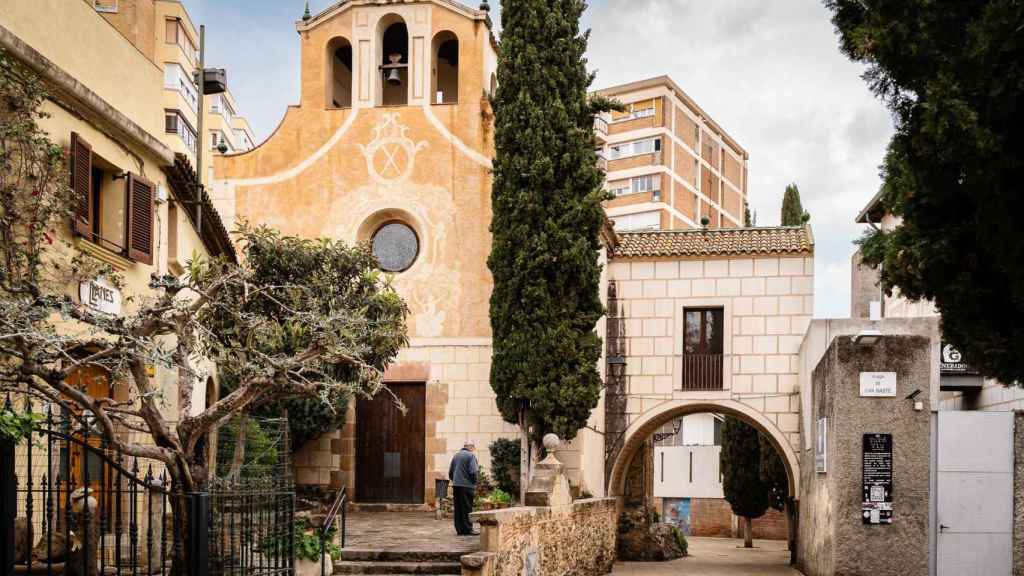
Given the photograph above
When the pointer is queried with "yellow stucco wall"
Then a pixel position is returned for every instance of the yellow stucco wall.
(74, 37)
(341, 173)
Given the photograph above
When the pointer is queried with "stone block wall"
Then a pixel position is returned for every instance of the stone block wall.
(460, 405)
(767, 303)
(577, 539)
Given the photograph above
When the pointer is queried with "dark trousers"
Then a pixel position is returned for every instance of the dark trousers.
(463, 498)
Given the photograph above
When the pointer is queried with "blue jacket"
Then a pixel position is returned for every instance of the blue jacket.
(464, 469)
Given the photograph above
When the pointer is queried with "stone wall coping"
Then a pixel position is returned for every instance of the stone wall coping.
(495, 517)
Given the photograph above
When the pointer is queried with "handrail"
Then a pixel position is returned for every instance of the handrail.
(340, 505)
(101, 453)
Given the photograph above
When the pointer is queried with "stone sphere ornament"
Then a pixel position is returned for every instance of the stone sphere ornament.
(551, 442)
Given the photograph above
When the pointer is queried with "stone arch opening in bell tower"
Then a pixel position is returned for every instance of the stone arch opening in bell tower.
(445, 86)
(339, 73)
(394, 59)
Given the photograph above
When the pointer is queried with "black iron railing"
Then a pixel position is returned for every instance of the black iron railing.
(702, 372)
(70, 504)
(340, 506)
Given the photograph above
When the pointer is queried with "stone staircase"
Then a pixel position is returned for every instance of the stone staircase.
(396, 562)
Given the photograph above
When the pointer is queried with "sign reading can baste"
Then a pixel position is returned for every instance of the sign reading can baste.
(877, 476)
(877, 384)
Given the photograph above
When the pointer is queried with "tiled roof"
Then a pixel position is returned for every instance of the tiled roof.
(717, 242)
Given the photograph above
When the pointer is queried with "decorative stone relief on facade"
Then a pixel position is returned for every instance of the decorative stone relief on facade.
(391, 155)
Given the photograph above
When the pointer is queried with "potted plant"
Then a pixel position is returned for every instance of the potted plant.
(308, 548)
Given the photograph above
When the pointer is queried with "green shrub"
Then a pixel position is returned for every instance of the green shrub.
(505, 464)
(307, 542)
(499, 496)
(681, 542)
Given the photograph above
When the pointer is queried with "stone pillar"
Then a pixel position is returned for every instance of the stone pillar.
(549, 486)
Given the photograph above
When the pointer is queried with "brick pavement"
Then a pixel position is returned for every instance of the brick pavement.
(406, 532)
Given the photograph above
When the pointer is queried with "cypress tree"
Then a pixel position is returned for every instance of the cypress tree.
(740, 462)
(547, 217)
(773, 474)
(792, 210)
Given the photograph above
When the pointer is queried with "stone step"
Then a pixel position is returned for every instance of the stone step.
(371, 555)
(383, 568)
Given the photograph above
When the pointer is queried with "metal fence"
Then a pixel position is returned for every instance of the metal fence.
(71, 505)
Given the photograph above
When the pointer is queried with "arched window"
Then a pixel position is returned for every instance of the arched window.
(339, 73)
(446, 68)
(394, 59)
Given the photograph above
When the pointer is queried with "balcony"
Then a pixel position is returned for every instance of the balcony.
(702, 372)
(600, 125)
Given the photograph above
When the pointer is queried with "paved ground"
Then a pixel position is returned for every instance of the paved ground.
(719, 557)
(405, 531)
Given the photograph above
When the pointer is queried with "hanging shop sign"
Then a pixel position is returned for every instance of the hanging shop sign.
(877, 384)
(951, 362)
(821, 446)
(100, 296)
(877, 476)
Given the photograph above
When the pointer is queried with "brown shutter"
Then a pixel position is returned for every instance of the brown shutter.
(80, 164)
(140, 219)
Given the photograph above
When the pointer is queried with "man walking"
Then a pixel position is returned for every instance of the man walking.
(463, 472)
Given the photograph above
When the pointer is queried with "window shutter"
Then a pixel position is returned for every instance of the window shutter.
(80, 164)
(140, 219)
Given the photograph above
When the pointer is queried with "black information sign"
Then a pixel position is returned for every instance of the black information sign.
(952, 362)
(877, 455)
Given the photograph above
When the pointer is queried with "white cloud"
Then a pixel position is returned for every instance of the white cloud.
(771, 74)
(769, 71)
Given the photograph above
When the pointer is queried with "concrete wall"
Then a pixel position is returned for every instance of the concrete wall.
(864, 287)
(833, 539)
(1018, 495)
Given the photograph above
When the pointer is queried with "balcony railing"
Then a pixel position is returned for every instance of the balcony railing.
(601, 125)
(702, 372)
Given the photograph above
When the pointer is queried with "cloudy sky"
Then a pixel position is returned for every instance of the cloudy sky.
(769, 71)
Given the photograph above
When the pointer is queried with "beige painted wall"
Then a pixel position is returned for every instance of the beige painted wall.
(74, 37)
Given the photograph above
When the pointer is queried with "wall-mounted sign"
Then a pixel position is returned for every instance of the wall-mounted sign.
(877, 476)
(877, 384)
(951, 362)
(821, 446)
(99, 296)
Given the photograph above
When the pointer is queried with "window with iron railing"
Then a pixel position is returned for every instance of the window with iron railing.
(702, 348)
(634, 148)
(637, 185)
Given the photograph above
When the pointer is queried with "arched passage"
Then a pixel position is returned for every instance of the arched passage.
(649, 422)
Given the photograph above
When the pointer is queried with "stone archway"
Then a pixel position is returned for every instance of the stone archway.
(651, 420)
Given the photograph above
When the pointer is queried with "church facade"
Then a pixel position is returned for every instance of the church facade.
(391, 143)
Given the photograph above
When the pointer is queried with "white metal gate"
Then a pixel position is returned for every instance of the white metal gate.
(974, 519)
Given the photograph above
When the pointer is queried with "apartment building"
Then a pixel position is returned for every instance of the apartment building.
(668, 163)
(165, 33)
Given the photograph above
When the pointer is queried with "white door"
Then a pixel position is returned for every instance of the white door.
(975, 493)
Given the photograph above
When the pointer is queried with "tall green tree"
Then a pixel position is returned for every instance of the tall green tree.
(952, 75)
(773, 474)
(793, 213)
(547, 221)
(745, 491)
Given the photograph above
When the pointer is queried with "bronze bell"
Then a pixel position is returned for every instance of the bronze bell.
(394, 78)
